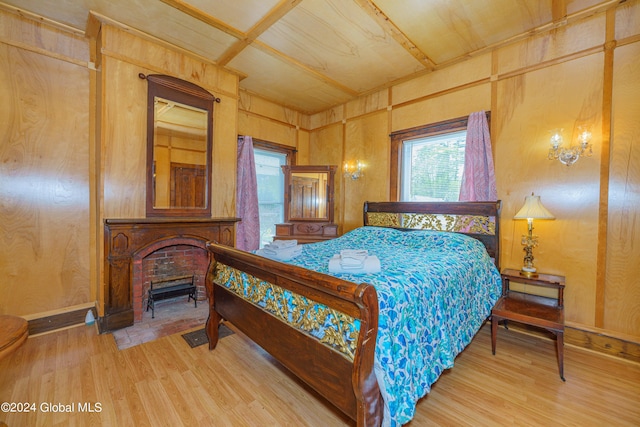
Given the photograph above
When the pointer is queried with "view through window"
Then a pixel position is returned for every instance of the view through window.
(432, 167)
(270, 191)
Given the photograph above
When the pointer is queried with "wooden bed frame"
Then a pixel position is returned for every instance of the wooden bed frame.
(340, 370)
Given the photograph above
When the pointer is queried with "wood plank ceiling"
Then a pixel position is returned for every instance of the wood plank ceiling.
(311, 55)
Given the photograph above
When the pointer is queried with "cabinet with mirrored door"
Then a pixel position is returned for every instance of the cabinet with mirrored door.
(309, 204)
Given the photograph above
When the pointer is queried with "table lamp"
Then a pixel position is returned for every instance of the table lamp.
(531, 210)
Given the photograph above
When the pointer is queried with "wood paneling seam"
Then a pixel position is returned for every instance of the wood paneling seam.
(443, 92)
(44, 52)
(24, 14)
(271, 119)
(550, 63)
(410, 102)
(605, 158)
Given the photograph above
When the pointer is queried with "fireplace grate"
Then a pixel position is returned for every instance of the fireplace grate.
(170, 288)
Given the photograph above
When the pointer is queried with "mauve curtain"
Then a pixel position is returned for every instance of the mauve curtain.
(248, 229)
(478, 177)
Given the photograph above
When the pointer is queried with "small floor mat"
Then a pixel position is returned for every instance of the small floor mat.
(199, 337)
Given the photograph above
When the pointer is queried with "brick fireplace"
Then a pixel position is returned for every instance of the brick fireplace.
(137, 251)
(166, 259)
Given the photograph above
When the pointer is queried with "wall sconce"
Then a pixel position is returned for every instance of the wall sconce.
(569, 156)
(531, 210)
(353, 170)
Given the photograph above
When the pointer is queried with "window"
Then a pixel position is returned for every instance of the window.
(270, 192)
(432, 168)
(269, 158)
(427, 161)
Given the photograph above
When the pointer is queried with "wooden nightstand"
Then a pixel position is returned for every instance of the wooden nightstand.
(534, 310)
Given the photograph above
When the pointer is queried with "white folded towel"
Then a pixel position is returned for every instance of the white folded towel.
(354, 252)
(371, 264)
(283, 254)
(353, 258)
(280, 244)
(352, 261)
(282, 251)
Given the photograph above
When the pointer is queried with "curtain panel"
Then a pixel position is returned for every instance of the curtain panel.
(248, 229)
(478, 177)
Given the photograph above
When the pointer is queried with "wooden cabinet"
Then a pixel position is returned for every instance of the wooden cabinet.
(306, 232)
(308, 212)
(533, 310)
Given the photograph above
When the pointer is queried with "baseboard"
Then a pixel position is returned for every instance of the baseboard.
(592, 340)
(602, 343)
(58, 321)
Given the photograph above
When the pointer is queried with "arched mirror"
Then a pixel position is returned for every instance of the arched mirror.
(179, 145)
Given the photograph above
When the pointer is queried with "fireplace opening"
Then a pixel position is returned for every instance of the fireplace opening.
(163, 264)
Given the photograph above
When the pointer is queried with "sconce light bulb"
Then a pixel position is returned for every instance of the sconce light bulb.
(556, 138)
(584, 137)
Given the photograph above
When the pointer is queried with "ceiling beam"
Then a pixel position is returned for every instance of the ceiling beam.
(390, 28)
(201, 16)
(558, 10)
(274, 15)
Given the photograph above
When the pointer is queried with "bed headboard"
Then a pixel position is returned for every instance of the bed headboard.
(480, 220)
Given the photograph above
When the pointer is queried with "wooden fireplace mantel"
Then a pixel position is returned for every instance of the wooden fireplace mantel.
(124, 238)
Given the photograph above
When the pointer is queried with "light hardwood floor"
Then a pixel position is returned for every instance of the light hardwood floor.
(167, 383)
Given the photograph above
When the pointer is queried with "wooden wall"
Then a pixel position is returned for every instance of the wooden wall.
(585, 72)
(44, 168)
(619, 300)
(72, 127)
(73, 152)
(271, 122)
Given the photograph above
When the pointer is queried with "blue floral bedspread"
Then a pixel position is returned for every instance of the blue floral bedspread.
(434, 292)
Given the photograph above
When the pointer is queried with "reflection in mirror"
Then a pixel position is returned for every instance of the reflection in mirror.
(179, 146)
(309, 193)
(179, 155)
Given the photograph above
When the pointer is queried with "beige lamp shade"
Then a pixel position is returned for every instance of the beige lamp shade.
(533, 209)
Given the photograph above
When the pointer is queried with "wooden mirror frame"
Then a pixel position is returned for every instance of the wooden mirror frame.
(288, 171)
(174, 89)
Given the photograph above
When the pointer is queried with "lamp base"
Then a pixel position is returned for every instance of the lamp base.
(528, 272)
